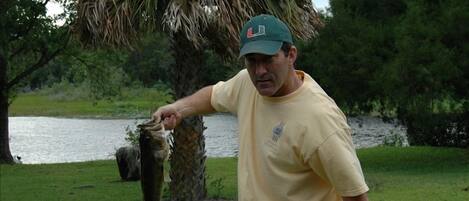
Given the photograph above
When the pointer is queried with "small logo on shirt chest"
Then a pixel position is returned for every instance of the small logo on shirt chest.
(277, 131)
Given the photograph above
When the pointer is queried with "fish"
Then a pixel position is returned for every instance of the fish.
(154, 150)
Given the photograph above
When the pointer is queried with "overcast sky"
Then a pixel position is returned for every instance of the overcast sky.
(321, 4)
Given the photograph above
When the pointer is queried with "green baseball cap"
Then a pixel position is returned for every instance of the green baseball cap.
(263, 34)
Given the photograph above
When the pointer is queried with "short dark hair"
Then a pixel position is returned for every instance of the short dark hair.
(286, 48)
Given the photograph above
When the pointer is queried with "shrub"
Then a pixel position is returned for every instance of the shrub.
(132, 135)
(395, 140)
(438, 129)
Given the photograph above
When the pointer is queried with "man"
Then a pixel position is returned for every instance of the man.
(295, 143)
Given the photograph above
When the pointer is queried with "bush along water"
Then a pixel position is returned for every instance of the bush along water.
(449, 129)
(395, 139)
(132, 135)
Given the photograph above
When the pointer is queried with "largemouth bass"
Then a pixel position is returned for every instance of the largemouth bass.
(154, 150)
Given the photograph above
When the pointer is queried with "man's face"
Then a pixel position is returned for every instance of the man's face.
(271, 74)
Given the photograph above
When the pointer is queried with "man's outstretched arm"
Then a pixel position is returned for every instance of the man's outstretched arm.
(195, 104)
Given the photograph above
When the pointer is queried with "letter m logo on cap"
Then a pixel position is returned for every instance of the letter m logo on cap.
(260, 32)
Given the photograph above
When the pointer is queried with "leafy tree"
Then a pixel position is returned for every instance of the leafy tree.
(215, 69)
(150, 62)
(455, 37)
(427, 74)
(192, 26)
(28, 41)
(400, 58)
(103, 69)
(350, 51)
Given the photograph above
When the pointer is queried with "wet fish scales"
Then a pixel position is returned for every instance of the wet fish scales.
(154, 151)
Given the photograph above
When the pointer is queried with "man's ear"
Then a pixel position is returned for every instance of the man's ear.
(292, 55)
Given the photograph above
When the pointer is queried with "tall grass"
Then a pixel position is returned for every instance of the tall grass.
(66, 101)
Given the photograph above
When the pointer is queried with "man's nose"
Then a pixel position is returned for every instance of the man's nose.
(261, 69)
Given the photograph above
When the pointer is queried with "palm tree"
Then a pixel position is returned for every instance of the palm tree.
(192, 25)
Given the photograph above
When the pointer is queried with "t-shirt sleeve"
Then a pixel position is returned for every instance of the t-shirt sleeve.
(226, 94)
(335, 161)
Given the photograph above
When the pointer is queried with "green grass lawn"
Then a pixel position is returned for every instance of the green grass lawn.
(416, 173)
(400, 174)
(32, 104)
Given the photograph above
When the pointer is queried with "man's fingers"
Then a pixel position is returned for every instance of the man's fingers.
(167, 115)
(156, 117)
(170, 122)
(168, 125)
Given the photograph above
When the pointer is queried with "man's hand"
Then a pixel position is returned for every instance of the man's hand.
(168, 115)
(195, 104)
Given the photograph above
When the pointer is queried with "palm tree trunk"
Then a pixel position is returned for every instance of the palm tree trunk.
(188, 148)
(5, 154)
(188, 161)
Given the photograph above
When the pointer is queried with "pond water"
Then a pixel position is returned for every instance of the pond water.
(57, 140)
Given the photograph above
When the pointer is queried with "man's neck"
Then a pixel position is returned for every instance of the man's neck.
(294, 82)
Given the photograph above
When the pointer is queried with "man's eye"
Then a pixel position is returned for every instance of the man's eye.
(251, 61)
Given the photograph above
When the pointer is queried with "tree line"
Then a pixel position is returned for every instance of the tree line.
(106, 70)
(404, 59)
(398, 59)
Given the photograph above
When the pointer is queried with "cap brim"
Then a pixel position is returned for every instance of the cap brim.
(261, 47)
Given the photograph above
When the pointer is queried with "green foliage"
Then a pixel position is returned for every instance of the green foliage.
(215, 69)
(165, 195)
(149, 64)
(28, 41)
(349, 52)
(64, 69)
(132, 135)
(425, 71)
(394, 140)
(104, 72)
(452, 129)
(396, 58)
(217, 185)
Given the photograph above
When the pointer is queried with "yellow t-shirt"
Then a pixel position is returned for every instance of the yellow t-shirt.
(296, 147)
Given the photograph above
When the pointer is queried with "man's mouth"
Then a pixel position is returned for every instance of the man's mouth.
(264, 83)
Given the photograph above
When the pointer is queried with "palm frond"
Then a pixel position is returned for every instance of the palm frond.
(300, 15)
(114, 22)
(189, 17)
(203, 22)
